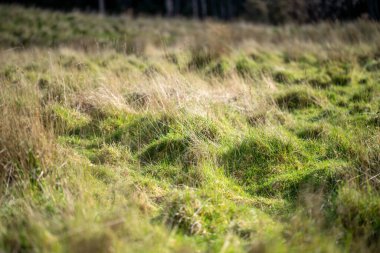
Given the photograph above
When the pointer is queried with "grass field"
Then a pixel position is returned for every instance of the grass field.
(154, 135)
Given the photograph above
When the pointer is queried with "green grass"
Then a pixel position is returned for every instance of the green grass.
(153, 135)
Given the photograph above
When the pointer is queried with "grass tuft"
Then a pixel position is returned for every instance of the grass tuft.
(298, 98)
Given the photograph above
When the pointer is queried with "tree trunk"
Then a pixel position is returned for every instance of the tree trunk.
(374, 9)
(204, 8)
(135, 8)
(214, 8)
(177, 7)
(169, 8)
(195, 8)
(228, 10)
(102, 6)
(223, 10)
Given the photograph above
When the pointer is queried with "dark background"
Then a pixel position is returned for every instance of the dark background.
(266, 11)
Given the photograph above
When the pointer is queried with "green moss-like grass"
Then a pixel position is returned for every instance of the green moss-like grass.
(67, 120)
(298, 98)
(170, 149)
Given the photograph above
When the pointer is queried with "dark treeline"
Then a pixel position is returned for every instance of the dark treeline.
(269, 11)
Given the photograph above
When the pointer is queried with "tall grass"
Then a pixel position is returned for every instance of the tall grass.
(27, 146)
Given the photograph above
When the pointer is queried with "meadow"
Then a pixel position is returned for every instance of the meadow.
(173, 135)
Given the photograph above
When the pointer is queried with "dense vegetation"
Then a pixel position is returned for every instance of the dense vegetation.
(272, 11)
(155, 135)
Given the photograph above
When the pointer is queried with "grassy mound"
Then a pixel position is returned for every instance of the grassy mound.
(297, 98)
(136, 131)
(167, 149)
(254, 158)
